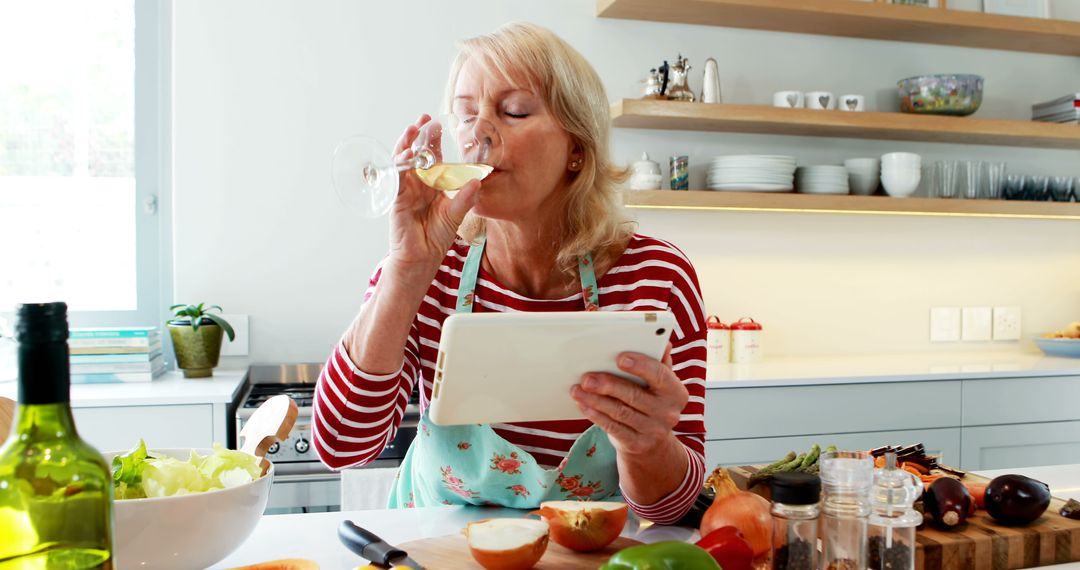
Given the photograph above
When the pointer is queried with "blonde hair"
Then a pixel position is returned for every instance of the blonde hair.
(532, 57)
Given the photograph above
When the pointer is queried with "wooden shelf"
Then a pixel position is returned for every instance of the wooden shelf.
(851, 18)
(762, 119)
(790, 202)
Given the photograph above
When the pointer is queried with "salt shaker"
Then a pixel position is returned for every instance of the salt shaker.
(846, 479)
(745, 341)
(710, 83)
(795, 511)
(891, 543)
(718, 343)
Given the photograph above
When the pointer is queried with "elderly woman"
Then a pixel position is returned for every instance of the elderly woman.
(550, 205)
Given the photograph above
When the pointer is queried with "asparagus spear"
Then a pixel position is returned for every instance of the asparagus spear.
(811, 458)
(792, 461)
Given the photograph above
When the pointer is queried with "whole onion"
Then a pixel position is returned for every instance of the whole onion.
(743, 510)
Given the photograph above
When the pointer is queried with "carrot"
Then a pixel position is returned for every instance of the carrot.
(907, 467)
(921, 469)
(978, 492)
(879, 462)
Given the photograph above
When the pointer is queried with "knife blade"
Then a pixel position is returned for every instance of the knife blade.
(372, 548)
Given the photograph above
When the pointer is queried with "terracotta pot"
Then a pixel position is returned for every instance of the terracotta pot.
(197, 352)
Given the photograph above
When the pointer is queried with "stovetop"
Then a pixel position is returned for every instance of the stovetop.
(301, 393)
(298, 381)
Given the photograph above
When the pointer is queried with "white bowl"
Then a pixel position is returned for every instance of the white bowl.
(187, 531)
(901, 185)
(901, 159)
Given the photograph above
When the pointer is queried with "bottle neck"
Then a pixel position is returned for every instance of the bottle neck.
(44, 374)
(44, 421)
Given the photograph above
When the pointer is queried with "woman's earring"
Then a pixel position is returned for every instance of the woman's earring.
(575, 165)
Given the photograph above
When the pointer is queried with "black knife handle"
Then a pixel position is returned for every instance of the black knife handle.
(367, 544)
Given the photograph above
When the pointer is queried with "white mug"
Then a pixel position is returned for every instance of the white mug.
(820, 100)
(853, 103)
(787, 99)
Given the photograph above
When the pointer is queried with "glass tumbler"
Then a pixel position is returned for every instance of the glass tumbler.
(973, 176)
(944, 179)
(995, 180)
(1061, 188)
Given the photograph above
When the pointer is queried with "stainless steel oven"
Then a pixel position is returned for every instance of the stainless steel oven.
(301, 482)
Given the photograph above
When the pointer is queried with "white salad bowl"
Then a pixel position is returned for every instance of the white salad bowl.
(187, 531)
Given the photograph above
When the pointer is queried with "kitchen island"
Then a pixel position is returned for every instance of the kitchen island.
(314, 536)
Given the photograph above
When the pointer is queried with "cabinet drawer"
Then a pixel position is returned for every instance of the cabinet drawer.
(1021, 400)
(1023, 445)
(120, 427)
(764, 450)
(740, 413)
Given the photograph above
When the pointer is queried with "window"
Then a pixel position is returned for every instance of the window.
(80, 101)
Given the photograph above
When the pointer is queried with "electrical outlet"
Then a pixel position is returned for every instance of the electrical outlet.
(944, 324)
(239, 345)
(1006, 323)
(976, 324)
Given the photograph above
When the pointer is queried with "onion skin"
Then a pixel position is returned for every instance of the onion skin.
(520, 557)
(746, 511)
(583, 530)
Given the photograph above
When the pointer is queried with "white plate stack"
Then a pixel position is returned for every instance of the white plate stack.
(751, 173)
(824, 179)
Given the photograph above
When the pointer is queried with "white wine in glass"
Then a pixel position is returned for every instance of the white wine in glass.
(365, 175)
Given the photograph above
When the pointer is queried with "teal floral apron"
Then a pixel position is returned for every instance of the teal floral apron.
(472, 465)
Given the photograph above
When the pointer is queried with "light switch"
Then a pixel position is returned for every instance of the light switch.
(239, 346)
(944, 324)
(976, 324)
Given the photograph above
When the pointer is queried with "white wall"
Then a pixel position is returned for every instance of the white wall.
(264, 90)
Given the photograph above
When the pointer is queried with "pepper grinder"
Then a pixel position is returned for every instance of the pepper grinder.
(710, 83)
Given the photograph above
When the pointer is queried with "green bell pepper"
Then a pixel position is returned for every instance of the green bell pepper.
(667, 555)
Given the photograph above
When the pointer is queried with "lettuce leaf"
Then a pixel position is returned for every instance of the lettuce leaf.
(140, 474)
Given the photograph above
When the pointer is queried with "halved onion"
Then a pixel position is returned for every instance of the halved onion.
(507, 544)
(584, 526)
(284, 564)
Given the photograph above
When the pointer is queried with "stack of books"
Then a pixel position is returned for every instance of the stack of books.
(1062, 110)
(115, 354)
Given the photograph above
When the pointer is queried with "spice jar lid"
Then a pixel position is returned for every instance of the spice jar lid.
(796, 488)
(713, 323)
(746, 324)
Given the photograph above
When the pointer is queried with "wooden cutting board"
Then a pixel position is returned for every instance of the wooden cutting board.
(982, 544)
(451, 552)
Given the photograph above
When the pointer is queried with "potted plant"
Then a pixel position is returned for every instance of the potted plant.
(196, 335)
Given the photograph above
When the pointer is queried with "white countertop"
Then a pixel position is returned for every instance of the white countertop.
(901, 367)
(170, 388)
(314, 536)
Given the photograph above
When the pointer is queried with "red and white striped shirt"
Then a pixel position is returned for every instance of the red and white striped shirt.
(356, 414)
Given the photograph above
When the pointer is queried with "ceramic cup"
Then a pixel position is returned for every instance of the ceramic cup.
(820, 100)
(787, 99)
(864, 174)
(853, 103)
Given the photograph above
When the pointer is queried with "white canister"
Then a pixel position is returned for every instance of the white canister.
(718, 343)
(745, 341)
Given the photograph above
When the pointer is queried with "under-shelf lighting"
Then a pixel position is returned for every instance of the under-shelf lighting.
(845, 211)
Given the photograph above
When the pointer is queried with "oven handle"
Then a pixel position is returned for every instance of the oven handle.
(310, 478)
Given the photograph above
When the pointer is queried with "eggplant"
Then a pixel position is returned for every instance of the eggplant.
(1016, 500)
(949, 502)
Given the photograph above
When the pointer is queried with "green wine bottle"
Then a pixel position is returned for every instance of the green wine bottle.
(55, 490)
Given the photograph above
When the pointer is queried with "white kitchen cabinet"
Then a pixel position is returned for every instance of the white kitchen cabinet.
(1021, 401)
(738, 413)
(758, 451)
(116, 428)
(1022, 445)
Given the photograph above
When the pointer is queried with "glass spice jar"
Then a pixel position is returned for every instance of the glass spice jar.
(795, 510)
(846, 479)
(891, 544)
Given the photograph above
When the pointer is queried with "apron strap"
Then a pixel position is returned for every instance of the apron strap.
(471, 270)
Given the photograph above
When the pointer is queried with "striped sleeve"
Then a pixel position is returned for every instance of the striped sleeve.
(688, 354)
(356, 414)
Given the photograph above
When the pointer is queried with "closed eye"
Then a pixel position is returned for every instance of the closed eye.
(517, 116)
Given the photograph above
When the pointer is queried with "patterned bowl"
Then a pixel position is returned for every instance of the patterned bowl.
(941, 94)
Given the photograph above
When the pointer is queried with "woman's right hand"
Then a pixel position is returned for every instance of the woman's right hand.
(423, 220)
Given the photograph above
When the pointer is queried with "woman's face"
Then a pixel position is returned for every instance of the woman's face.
(536, 150)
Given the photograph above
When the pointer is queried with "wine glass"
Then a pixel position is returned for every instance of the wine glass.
(447, 153)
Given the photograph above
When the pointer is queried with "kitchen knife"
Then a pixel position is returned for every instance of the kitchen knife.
(372, 548)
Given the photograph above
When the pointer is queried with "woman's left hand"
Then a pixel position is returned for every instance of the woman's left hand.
(636, 418)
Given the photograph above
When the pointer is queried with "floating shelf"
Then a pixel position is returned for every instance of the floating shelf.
(762, 119)
(816, 203)
(851, 18)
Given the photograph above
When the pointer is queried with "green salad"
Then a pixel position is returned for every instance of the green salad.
(139, 474)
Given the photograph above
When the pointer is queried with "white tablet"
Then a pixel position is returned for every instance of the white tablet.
(519, 367)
